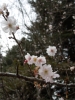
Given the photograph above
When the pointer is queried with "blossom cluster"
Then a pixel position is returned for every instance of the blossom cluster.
(45, 70)
(38, 61)
(9, 23)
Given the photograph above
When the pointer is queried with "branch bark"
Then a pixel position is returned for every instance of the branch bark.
(14, 75)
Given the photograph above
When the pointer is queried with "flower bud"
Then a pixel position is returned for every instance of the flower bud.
(17, 27)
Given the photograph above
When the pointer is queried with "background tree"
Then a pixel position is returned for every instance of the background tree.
(54, 24)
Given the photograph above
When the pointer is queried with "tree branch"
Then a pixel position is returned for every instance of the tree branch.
(7, 74)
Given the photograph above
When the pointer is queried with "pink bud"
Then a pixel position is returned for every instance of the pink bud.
(25, 61)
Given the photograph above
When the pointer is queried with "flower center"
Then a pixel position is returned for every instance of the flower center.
(35, 59)
(40, 60)
(52, 50)
(46, 71)
(9, 25)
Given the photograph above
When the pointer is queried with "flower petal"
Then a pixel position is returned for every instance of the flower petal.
(5, 29)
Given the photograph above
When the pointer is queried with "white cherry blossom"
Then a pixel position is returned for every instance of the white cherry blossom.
(34, 59)
(28, 58)
(9, 25)
(40, 60)
(51, 50)
(46, 72)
